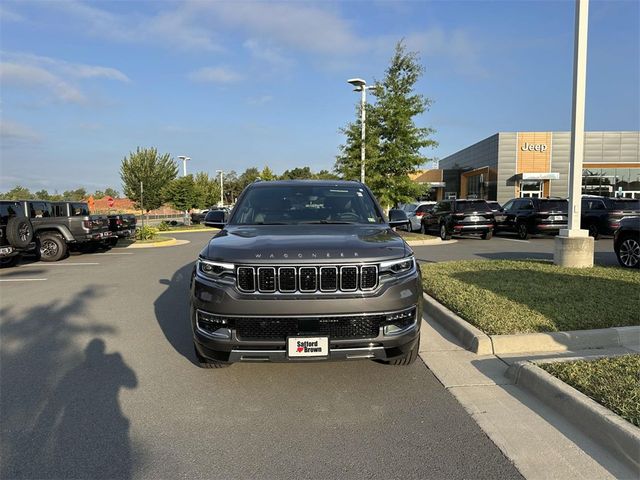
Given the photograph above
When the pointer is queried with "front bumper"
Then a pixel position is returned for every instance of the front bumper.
(401, 295)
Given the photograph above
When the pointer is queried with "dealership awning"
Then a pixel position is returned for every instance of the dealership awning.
(538, 176)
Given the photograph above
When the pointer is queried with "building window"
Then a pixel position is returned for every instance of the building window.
(611, 182)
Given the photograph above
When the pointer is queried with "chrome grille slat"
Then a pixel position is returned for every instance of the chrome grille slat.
(307, 278)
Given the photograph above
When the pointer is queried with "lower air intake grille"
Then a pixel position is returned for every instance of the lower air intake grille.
(334, 327)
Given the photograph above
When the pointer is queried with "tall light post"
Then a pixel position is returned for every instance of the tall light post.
(221, 188)
(184, 164)
(574, 247)
(361, 86)
(185, 159)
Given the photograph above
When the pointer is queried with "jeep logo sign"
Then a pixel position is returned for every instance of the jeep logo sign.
(534, 147)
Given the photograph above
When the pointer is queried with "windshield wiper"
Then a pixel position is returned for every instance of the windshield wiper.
(327, 222)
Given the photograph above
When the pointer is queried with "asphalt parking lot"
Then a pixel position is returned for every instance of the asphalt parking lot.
(98, 381)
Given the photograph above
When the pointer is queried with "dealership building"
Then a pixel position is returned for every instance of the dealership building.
(536, 164)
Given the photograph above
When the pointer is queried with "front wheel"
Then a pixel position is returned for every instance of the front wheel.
(523, 231)
(444, 235)
(8, 262)
(593, 231)
(629, 253)
(52, 247)
(206, 363)
(407, 358)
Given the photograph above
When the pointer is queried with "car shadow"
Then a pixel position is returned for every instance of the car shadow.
(60, 415)
(172, 312)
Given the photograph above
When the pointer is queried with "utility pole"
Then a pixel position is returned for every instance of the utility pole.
(141, 202)
(221, 188)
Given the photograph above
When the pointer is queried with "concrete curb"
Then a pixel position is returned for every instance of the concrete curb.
(436, 241)
(169, 243)
(610, 430)
(479, 342)
(472, 338)
(197, 230)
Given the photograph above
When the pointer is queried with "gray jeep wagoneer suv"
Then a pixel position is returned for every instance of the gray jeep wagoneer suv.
(302, 271)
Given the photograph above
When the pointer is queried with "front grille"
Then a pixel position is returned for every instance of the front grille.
(364, 326)
(307, 279)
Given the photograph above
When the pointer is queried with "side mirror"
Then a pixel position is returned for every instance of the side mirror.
(216, 219)
(398, 218)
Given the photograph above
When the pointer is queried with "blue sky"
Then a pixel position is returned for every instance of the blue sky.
(240, 84)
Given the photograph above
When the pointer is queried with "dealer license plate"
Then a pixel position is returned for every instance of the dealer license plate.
(299, 347)
(557, 217)
(474, 218)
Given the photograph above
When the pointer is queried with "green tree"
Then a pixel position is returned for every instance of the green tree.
(17, 193)
(298, 173)
(267, 174)
(326, 175)
(42, 195)
(207, 190)
(393, 141)
(232, 188)
(153, 170)
(98, 194)
(75, 195)
(110, 192)
(181, 193)
(249, 176)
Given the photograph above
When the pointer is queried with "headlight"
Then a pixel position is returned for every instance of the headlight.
(403, 265)
(215, 270)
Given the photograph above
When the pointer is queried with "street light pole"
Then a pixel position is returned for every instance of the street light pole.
(221, 188)
(361, 86)
(573, 246)
(184, 159)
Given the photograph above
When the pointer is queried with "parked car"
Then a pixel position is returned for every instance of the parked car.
(602, 215)
(495, 206)
(198, 217)
(61, 225)
(415, 212)
(626, 242)
(305, 270)
(526, 216)
(16, 233)
(459, 217)
(121, 226)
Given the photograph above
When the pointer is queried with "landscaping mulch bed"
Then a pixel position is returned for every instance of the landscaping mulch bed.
(612, 382)
(506, 296)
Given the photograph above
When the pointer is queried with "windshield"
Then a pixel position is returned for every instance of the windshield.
(286, 205)
(410, 207)
(626, 204)
(473, 206)
(556, 205)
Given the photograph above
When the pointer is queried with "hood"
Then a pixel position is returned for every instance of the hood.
(305, 244)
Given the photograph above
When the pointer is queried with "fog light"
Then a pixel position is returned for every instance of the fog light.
(399, 322)
(214, 325)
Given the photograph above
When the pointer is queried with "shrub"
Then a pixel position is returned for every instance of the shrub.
(146, 233)
(164, 226)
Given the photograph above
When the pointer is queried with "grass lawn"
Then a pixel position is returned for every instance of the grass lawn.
(187, 227)
(156, 239)
(415, 236)
(612, 382)
(506, 296)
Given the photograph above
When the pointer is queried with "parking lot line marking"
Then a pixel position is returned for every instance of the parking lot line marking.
(115, 253)
(23, 280)
(74, 264)
(513, 240)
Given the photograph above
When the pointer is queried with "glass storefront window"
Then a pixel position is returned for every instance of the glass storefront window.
(611, 182)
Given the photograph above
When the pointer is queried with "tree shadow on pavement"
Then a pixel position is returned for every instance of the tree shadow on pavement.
(60, 415)
(172, 312)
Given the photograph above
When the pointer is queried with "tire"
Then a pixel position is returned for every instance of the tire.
(487, 235)
(443, 233)
(408, 358)
(52, 247)
(593, 231)
(423, 229)
(206, 363)
(113, 241)
(19, 232)
(628, 253)
(8, 262)
(523, 231)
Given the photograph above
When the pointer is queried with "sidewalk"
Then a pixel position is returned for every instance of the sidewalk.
(537, 439)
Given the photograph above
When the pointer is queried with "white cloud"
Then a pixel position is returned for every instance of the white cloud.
(269, 54)
(27, 70)
(215, 75)
(9, 16)
(15, 133)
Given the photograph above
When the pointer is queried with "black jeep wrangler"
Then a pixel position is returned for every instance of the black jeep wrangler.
(16, 233)
(304, 271)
